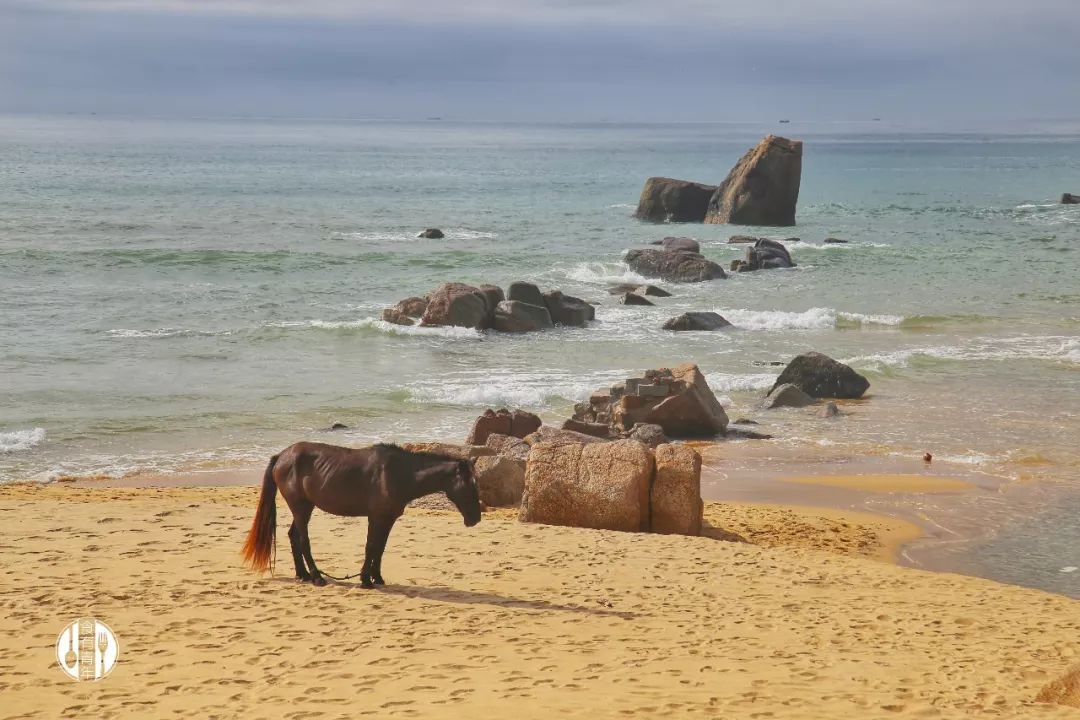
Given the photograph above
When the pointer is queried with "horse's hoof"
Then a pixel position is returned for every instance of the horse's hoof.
(367, 583)
(318, 580)
(378, 580)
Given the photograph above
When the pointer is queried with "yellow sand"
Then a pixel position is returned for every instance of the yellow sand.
(886, 483)
(503, 620)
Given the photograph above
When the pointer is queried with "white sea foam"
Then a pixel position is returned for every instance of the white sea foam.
(1056, 348)
(409, 235)
(812, 319)
(604, 273)
(489, 389)
(730, 382)
(796, 247)
(388, 328)
(13, 441)
(627, 206)
(164, 333)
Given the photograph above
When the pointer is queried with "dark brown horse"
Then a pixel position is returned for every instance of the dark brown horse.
(377, 481)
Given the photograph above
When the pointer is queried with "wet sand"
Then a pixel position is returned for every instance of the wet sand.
(508, 619)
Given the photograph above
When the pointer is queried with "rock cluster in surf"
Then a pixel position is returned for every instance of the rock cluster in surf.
(762, 189)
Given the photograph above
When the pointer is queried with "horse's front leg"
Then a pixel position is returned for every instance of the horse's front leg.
(377, 531)
(376, 570)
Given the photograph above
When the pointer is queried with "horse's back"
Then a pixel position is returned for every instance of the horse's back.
(336, 479)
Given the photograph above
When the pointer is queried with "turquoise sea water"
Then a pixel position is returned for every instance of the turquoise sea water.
(195, 294)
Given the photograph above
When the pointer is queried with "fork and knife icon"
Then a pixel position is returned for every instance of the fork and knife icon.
(86, 657)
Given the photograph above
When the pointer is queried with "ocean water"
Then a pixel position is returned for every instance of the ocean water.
(197, 294)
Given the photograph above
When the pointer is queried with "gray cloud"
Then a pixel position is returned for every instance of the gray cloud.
(543, 59)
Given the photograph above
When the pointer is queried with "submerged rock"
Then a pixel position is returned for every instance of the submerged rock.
(670, 200)
(431, 233)
(786, 395)
(680, 244)
(741, 239)
(634, 299)
(673, 266)
(624, 288)
(834, 241)
(829, 410)
(762, 188)
(820, 376)
(696, 321)
(518, 317)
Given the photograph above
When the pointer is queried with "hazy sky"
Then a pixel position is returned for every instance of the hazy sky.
(919, 60)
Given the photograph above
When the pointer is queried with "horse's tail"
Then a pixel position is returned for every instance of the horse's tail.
(261, 538)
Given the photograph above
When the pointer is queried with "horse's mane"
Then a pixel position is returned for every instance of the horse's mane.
(421, 454)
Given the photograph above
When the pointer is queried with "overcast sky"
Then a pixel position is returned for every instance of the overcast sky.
(921, 60)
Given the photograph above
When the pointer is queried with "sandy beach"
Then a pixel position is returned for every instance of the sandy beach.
(801, 618)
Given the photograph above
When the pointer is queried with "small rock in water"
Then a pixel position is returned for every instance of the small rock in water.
(834, 241)
(746, 421)
(634, 299)
(829, 410)
(786, 395)
(432, 234)
(1070, 199)
(339, 426)
(927, 457)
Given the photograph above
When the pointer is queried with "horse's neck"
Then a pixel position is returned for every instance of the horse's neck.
(431, 479)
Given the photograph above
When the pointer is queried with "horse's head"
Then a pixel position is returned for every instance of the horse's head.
(464, 493)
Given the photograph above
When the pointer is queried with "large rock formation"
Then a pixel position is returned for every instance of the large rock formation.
(669, 200)
(460, 305)
(697, 321)
(677, 399)
(554, 436)
(486, 307)
(516, 424)
(764, 255)
(508, 445)
(500, 479)
(673, 266)
(602, 485)
(450, 450)
(762, 188)
(676, 506)
(822, 377)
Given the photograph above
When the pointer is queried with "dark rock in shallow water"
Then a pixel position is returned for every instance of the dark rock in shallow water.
(406, 311)
(680, 244)
(1070, 199)
(822, 377)
(786, 395)
(432, 233)
(673, 266)
(624, 288)
(696, 321)
(568, 310)
(764, 255)
(742, 239)
(762, 188)
(525, 292)
(745, 421)
(459, 305)
(670, 200)
(338, 426)
(634, 299)
(829, 410)
(834, 241)
(515, 316)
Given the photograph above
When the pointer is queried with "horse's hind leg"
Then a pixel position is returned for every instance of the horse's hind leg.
(301, 516)
(297, 554)
(376, 571)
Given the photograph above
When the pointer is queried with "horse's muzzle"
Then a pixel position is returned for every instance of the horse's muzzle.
(469, 522)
